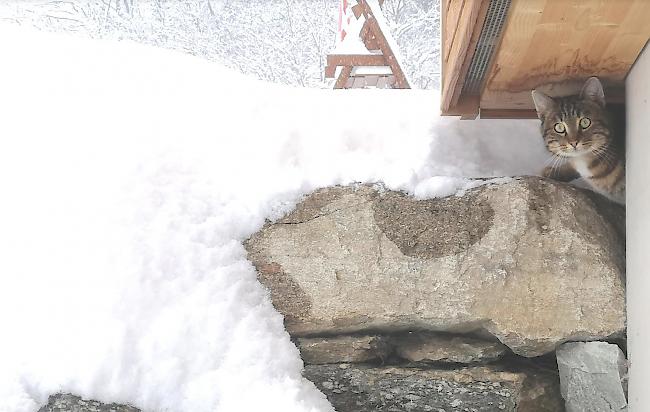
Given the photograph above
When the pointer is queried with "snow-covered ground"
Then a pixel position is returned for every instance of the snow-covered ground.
(129, 177)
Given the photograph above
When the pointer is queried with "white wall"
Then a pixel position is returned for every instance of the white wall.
(638, 231)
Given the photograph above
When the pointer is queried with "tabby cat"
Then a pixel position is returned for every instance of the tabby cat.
(579, 134)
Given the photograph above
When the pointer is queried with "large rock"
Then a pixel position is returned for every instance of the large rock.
(359, 388)
(533, 262)
(429, 348)
(63, 402)
(591, 376)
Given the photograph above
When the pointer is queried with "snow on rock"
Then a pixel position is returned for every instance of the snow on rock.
(131, 175)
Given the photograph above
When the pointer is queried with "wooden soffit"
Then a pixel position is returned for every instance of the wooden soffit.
(553, 45)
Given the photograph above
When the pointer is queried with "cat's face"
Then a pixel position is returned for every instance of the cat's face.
(574, 125)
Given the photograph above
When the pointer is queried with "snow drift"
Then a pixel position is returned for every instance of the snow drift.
(130, 177)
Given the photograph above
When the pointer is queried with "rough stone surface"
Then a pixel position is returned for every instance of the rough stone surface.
(63, 402)
(533, 262)
(343, 349)
(360, 388)
(541, 393)
(429, 348)
(591, 376)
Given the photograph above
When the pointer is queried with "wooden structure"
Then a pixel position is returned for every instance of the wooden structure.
(496, 51)
(366, 56)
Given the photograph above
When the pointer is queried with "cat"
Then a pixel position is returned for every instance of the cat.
(579, 134)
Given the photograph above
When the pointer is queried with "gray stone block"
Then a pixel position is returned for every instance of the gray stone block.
(591, 376)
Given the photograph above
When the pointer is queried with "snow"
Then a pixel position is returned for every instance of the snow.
(130, 176)
(370, 70)
(352, 43)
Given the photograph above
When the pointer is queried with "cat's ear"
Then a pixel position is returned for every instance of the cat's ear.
(593, 90)
(543, 103)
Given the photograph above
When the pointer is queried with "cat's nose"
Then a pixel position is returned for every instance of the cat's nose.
(574, 144)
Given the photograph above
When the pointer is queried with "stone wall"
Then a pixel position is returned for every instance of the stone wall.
(445, 304)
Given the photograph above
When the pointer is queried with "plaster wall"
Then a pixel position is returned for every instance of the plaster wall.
(638, 231)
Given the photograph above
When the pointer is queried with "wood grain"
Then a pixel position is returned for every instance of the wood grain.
(471, 49)
(450, 16)
(555, 45)
(344, 76)
(467, 108)
(458, 49)
(356, 60)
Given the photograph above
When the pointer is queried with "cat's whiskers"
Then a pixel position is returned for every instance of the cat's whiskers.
(557, 162)
(550, 159)
(605, 155)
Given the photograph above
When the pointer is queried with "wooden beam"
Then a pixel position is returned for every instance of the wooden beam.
(368, 37)
(508, 114)
(471, 49)
(363, 8)
(382, 43)
(356, 60)
(467, 108)
(330, 72)
(450, 17)
(357, 10)
(522, 100)
(343, 77)
(371, 43)
(555, 45)
(391, 60)
(460, 50)
(374, 39)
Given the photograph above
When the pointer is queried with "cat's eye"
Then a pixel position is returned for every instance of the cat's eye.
(559, 127)
(585, 122)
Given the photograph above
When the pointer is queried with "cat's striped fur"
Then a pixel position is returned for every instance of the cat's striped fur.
(578, 132)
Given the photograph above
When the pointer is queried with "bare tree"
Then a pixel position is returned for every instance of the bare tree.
(284, 41)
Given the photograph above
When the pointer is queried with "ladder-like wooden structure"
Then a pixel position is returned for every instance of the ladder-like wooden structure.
(366, 56)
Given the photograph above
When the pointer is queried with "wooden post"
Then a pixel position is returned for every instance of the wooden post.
(343, 77)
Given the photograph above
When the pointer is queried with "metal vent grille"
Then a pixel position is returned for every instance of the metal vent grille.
(494, 20)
